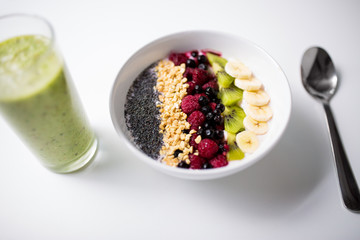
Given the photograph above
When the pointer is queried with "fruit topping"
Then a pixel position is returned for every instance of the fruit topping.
(189, 104)
(207, 148)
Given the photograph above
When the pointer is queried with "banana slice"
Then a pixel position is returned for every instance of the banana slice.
(252, 84)
(259, 128)
(259, 113)
(237, 69)
(247, 141)
(257, 98)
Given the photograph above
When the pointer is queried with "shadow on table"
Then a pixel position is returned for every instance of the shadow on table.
(278, 184)
(281, 181)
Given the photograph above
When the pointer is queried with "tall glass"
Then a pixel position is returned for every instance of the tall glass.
(38, 98)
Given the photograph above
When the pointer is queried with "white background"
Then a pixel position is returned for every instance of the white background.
(292, 193)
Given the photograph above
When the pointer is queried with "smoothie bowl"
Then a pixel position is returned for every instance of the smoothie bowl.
(200, 104)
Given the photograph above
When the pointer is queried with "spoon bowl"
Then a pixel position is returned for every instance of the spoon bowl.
(320, 80)
(318, 74)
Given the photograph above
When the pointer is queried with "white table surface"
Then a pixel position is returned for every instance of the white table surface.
(292, 193)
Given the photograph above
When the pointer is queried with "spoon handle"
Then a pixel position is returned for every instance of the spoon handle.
(348, 186)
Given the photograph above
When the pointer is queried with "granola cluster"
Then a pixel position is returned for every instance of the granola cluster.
(172, 87)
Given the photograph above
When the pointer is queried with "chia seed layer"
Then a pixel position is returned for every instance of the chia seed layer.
(141, 114)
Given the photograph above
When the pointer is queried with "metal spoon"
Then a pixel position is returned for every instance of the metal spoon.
(320, 80)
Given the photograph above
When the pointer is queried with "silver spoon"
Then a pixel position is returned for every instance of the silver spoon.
(320, 80)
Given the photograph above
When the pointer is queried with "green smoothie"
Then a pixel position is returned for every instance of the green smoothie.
(38, 100)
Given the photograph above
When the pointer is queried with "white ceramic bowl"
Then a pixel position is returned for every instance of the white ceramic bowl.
(261, 63)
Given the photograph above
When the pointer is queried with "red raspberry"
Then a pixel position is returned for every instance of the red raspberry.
(207, 148)
(196, 119)
(189, 73)
(191, 87)
(200, 76)
(192, 141)
(213, 84)
(177, 58)
(212, 105)
(189, 104)
(196, 162)
(219, 161)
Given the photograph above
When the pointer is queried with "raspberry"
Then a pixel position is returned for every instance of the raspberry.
(213, 84)
(219, 161)
(213, 105)
(196, 119)
(192, 141)
(200, 76)
(207, 148)
(189, 104)
(196, 162)
(189, 73)
(177, 58)
(191, 87)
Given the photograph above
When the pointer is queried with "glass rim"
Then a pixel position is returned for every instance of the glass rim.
(37, 17)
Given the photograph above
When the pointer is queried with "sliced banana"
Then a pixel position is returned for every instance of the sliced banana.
(247, 141)
(259, 113)
(257, 127)
(257, 98)
(237, 69)
(252, 84)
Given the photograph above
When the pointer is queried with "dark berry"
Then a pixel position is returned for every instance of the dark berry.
(194, 53)
(202, 59)
(217, 119)
(219, 134)
(206, 109)
(221, 107)
(200, 131)
(177, 152)
(208, 125)
(197, 89)
(202, 66)
(203, 101)
(209, 116)
(209, 133)
(186, 131)
(209, 91)
(190, 63)
(223, 147)
(217, 111)
(207, 166)
(183, 164)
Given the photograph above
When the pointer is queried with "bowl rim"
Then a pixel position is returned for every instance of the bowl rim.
(194, 173)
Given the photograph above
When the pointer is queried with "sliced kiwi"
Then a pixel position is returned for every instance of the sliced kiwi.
(224, 79)
(216, 59)
(235, 152)
(233, 119)
(217, 68)
(231, 95)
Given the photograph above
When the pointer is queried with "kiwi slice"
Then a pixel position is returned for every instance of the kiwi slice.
(235, 152)
(233, 119)
(216, 59)
(230, 95)
(217, 68)
(224, 79)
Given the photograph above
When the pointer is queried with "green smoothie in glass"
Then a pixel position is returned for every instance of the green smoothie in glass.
(39, 102)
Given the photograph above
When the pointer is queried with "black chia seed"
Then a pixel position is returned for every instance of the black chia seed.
(141, 114)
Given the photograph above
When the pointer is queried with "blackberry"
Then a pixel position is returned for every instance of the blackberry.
(190, 63)
(197, 89)
(177, 152)
(206, 109)
(183, 164)
(221, 107)
(203, 101)
(202, 66)
(207, 165)
(202, 59)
